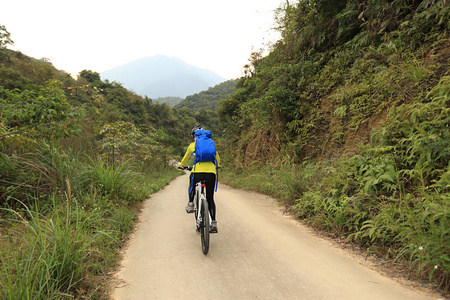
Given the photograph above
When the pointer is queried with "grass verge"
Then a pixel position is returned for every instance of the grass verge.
(64, 245)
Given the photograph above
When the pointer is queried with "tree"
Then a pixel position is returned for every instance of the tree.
(119, 138)
(45, 113)
(90, 76)
(5, 37)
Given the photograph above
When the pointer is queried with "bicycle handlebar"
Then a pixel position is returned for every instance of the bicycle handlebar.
(187, 168)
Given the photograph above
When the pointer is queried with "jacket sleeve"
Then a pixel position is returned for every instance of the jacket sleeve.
(187, 155)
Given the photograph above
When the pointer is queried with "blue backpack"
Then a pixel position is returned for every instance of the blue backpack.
(205, 150)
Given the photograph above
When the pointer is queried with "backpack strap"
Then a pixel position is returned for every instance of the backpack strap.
(217, 172)
(192, 183)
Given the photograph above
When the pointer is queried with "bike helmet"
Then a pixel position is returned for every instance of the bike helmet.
(195, 128)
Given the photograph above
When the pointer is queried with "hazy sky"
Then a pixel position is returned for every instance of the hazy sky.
(101, 34)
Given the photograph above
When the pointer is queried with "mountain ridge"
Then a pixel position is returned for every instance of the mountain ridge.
(162, 76)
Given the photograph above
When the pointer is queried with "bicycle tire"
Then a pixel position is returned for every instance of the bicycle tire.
(204, 227)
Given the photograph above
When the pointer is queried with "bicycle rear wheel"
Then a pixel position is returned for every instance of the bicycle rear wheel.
(204, 226)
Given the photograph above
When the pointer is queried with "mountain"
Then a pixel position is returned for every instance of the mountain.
(162, 76)
(210, 98)
(172, 101)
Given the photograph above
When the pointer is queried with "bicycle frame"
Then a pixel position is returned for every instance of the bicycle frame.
(202, 214)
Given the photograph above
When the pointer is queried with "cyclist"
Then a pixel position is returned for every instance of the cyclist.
(201, 171)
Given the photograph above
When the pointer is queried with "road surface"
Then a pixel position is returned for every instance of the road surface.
(259, 253)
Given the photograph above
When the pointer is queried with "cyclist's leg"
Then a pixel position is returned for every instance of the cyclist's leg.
(210, 179)
(210, 186)
(191, 192)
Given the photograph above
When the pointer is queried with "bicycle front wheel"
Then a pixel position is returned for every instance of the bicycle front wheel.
(204, 227)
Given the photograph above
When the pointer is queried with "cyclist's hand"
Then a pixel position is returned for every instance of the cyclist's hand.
(180, 168)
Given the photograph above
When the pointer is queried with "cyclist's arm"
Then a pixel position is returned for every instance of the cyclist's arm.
(187, 155)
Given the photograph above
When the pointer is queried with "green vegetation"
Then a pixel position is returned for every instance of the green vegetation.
(203, 106)
(63, 225)
(172, 101)
(77, 159)
(347, 122)
(5, 38)
(209, 99)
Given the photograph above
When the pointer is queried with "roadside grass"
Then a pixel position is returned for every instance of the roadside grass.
(62, 239)
(390, 196)
(45, 255)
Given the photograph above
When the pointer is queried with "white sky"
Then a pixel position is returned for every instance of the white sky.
(102, 34)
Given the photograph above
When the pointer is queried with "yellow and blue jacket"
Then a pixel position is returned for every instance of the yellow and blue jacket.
(200, 167)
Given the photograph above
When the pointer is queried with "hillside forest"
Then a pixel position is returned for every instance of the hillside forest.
(345, 121)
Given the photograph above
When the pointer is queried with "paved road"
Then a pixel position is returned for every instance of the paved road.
(259, 253)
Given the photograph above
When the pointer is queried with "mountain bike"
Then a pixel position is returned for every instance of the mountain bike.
(201, 213)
